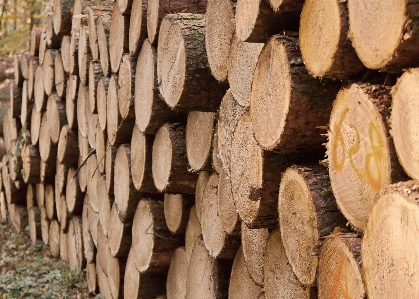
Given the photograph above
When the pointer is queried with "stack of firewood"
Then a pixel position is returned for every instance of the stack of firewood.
(221, 149)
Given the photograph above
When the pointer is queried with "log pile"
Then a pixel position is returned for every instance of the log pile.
(220, 148)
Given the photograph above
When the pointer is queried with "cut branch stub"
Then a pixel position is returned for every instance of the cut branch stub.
(119, 235)
(176, 211)
(325, 46)
(137, 26)
(286, 103)
(118, 37)
(126, 87)
(340, 267)
(389, 45)
(182, 65)
(56, 115)
(256, 21)
(307, 212)
(362, 159)
(62, 16)
(68, 149)
(169, 161)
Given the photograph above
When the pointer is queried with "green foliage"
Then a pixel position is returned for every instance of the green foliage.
(15, 41)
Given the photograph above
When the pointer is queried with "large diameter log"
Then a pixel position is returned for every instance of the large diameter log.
(150, 109)
(62, 16)
(56, 115)
(207, 276)
(340, 267)
(362, 159)
(307, 212)
(177, 275)
(126, 87)
(48, 71)
(219, 30)
(176, 211)
(74, 196)
(286, 117)
(68, 150)
(35, 40)
(60, 76)
(241, 284)
(47, 149)
(405, 108)
(169, 161)
(76, 258)
(279, 280)
(151, 239)
(137, 26)
(193, 231)
(39, 90)
(325, 46)
(182, 65)
(95, 74)
(256, 21)
(101, 99)
(118, 38)
(31, 162)
(103, 28)
(199, 134)
(389, 254)
(397, 39)
(119, 235)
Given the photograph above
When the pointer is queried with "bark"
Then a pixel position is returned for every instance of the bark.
(75, 245)
(62, 16)
(118, 37)
(101, 99)
(137, 26)
(119, 235)
(176, 211)
(60, 76)
(15, 161)
(56, 115)
(68, 150)
(95, 74)
(74, 196)
(47, 172)
(48, 71)
(31, 162)
(126, 87)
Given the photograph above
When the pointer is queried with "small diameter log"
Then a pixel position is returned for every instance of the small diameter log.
(30, 197)
(74, 50)
(137, 25)
(106, 202)
(241, 285)
(31, 162)
(91, 277)
(60, 178)
(44, 226)
(92, 126)
(116, 271)
(15, 160)
(217, 242)
(62, 16)
(216, 162)
(176, 211)
(25, 115)
(287, 118)
(256, 21)
(95, 74)
(103, 28)
(92, 177)
(82, 100)
(84, 55)
(101, 98)
(3, 210)
(158, 9)
(119, 235)
(89, 249)
(34, 222)
(404, 108)
(307, 212)
(42, 44)
(118, 37)
(49, 203)
(201, 183)
(242, 62)
(182, 65)
(64, 247)
(219, 31)
(56, 115)
(101, 146)
(68, 150)
(18, 216)
(325, 46)
(15, 99)
(76, 258)
(397, 39)
(65, 52)
(35, 40)
(102, 249)
(177, 275)
(169, 165)
(17, 68)
(362, 159)
(84, 147)
(151, 239)
(150, 110)
(91, 21)
(199, 134)
(119, 130)
(39, 90)
(93, 219)
(340, 267)
(48, 71)
(47, 149)
(64, 215)
(47, 172)
(36, 118)
(226, 207)
(193, 231)
(207, 276)
(141, 161)
(40, 195)
(61, 76)
(71, 100)
(126, 87)
(109, 167)
(390, 260)
(279, 280)
(74, 196)
(33, 66)
(54, 238)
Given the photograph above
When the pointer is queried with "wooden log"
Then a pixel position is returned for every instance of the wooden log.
(64, 215)
(82, 100)
(18, 216)
(101, 99)
(42, 44)
(25, 61)
(82, 174)
(61, 76)
(186, 83)
(199, 134)
(193, 231)
(279, 279)
(62, 16)
(217, 242)
(325, 46)
(119, 234)
(68, 150)
(25, 114)
(158, 9)
(151, 239)
(45, 222)
(301, 103)
(65, 52)
(109, 168)
(101, 146)
(56, 115)
(92, 178)
(169, 161)
(226, 206)
(33, 66)
(93, 219)
(398, 38)
(150, 110)
(34, 222)
(60, 178)
(35, 40)
(30, 197)
(49, 203)
(17, 69)
(404, 107)
(176, 211)
(39, 91)
(340, 267)
(40, 194)
(207, 276)
(54, 238)
(89, 249)
(219, 31)
(3, 208)
(241, 284)
(137, 25)
(116, 271)
(74, 196)
(118, 37)
(102, 249)
(76, 258)
(15, 99)
(307, 213)
(126, 87)
(95, 74)
(103, 283)
(47, 150)
(93, 32)
(177, 275)
(15, 160)
(91, 277)
(92, 125)
(77, 15)
(103, 28)
(31, 162)
(47, 171)
(385, 255)
(84, 56)
(361, 154)
(48, 71)
(36, 118)
(74, 50)
(71, 100)
(256, 21)
(216, 162)
(119, 130)
(106, 202)
(201, 183)
(64, 247)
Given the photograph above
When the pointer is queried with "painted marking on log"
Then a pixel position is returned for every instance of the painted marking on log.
(337, 285)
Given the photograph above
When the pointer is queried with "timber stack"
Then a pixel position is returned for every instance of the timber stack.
(221, 148)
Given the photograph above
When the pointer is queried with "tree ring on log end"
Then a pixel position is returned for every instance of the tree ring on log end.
(177, 275)
(246, 15)
(162, 158)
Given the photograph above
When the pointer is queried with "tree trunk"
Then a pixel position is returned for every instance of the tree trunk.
(183, 72)
(101, 98)
(95, 74)
(31, 162)
(68, 149)
(119, 234)
(103, 27)
(176, 211)
(193, 231)
(56, 115)
(118, 37)
(74, 196)
(75, 245)
(126, 87)
(62, 16)
(60, 76)
(137, 26)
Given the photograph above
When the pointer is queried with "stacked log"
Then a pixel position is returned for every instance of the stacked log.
(177, 154)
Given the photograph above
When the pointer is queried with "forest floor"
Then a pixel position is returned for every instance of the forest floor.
(29, 271)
